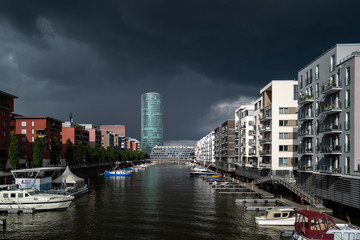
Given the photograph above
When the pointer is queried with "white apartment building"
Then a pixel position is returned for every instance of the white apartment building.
(245, 136)
(278, 127)
(205, 150)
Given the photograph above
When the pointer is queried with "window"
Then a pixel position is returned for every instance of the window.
(307, 79)
(317, 90)
(296, 92)
(347, 167)
(32, 123)
(32, 131)
(283, 148)
(347, 143)
(23, 124)
(347, 76)
(283, 135)
(4, 113)
(283, 162)
(301, 82)
(347, 98)
(283, 123)
(23, 131)
(347, 121)
(317, 109)
(283, 110)
(20, 195)
(23, 139)
(317, 72)
(5, 195)
(4, 142)
(4, 133)
(332, 63)
(23, 146)
(4, 123)
(13, 195)
(310, 76)
(32, 139)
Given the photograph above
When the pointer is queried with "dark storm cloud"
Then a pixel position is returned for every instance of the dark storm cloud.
(95, 58)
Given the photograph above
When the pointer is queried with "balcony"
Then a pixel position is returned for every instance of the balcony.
(236, 146)
(306, 116)
(252, 123)
(332, 149)
(330, 88)
(243, 126)
(4, 105)
(305, 99)
(265, 117)
(252, 133)
(265, 129)
(265, 165)
(252, 142)
(327, 169)
(331, 129)
(305, 168)
(265, 141)
(265, 153)
(306, 133)
(331, 108)
(252, 152)
(306, 151)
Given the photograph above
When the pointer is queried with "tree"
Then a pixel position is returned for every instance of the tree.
(79, 155)
(108, 153)
(103, 154)
(141, 155)
(14, 150)
(120, 154)
(96, 153)
(55, 152)
(89, 153)
(38, 153)
(69, 152)
(113, 154)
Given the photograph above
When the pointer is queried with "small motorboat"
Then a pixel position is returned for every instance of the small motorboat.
(117, 173)
(14, 198)
(277, 217)
(211, 176)
(314, 225)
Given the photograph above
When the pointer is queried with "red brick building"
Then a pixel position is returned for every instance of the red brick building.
(76, 133)
(29, 127)
(6, 108)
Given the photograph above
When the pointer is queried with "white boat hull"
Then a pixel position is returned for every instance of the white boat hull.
(275, 222)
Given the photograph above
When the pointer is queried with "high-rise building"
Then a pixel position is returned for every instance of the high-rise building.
(151, 121)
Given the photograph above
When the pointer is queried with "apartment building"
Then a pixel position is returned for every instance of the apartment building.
(94, 134)
(6, 108)
(117, 129)
(224, 146)
(108, 138)
(329, 125)
(245, 136)
(205, 149)
(75, 132)
(278, 127)
(27, 128)
(172, 152)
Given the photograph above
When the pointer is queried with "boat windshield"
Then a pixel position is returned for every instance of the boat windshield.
(25, 174)
(35, 192)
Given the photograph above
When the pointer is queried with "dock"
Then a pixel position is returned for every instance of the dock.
(272, 200)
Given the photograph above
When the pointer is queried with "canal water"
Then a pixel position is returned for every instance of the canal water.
(161, 202)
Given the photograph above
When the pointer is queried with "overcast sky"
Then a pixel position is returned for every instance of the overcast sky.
(96, 58)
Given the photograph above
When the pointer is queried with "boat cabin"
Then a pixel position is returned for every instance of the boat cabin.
(280, 213)
(39, 178)
(314, 225)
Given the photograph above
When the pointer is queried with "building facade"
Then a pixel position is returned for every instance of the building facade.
(151, 121)
(205, 149)
(30, 127)
(94, 134)
(172, 152)
(6, 108)
(75, 132)
(329, 125)
(120, 130)
(224, 146)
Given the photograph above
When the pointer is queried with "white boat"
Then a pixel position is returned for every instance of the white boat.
(23, 199)
(314, 225)
(277, 217)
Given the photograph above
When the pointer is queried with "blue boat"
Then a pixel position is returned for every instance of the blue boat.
(117, 173)
(129, 169)
(213, 179)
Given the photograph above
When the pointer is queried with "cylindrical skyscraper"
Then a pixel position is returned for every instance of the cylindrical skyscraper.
(151, 121)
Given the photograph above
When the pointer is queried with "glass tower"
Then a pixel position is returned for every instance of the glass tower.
(151, 121)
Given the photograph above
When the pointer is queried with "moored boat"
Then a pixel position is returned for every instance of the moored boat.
(314, 225)
(117, 173)
(277, 217)
(23, 199)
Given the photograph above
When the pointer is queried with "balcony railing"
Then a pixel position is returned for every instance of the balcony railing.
(305, 167)
(306, 151)
(331, 87)
(307, 115)
(251, 123)
(265, 129)
(265, 141)
(265, 165)
(332, 149)
(252, 132)
(331, 108)
(252, 142)
(326, 168)
(265, 152)
(330, 128)
(306, 99)
(306, 133)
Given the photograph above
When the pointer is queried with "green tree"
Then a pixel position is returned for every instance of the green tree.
(96, 153)
(55, 152)
(79, 155)
(108, 153)
(103, 154)
(69, 151)
(89, 153)
(14, 150)
(38, 153)
(113, 154)
(141, 155)
(120, 154)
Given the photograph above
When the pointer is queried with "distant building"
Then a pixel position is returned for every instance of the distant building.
(30, 127)
(94, 134)
(6, 108)
(75, 132)
(172, 152)
(151, 121)
(224, 146)
(120, 130)
(107, 138)
(205, 149)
